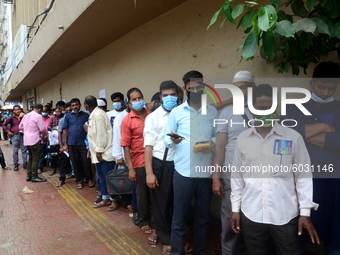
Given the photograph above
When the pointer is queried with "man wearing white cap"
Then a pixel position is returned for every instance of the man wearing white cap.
(101, 104)
(224, 149)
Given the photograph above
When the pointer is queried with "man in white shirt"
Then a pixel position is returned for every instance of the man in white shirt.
(159, 164)
(224, 149)
(100, 142)
(269, 197)
(117, 99)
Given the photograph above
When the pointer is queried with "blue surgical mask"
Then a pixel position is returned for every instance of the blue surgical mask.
(87, 111)
(169, 102)
(138, 106)
(63, 112)
(246, 103)
(44, 114)
(77, 111)
(320, 100)
(117, 105)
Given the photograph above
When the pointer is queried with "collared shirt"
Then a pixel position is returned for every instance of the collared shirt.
(75, 126)
(100, 135)
(271, 197)
(234, 127)
(60, 128)
(194, 127)
(132, 135)
(117, 150)
(32, 125)
(155, 128)
(16, 123)
(112, 115)
(54, 122)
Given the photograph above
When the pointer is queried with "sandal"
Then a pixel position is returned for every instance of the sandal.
(153, 238)
(79, 186)
(114, 206)
(60, 183)
(53, 171)
(166, 249)
(188, 247)
(146, 229)
(6, 168)
(39, 171)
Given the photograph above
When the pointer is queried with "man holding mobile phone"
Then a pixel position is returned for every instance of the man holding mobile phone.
(187, 183)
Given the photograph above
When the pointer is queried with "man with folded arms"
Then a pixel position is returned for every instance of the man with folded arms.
(33, 126)
(273, 203)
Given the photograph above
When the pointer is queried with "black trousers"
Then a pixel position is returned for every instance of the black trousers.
(162, 199)
(81, 164)
(257, 237)
(2, 159)
(143, 198)
(65, 166)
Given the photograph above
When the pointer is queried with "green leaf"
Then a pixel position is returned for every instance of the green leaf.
(263, 53)
(275, 2)
(224, 21)
(268, 41)
(227, 12)
(247, 18)
(308, 25)
(237, 11)
(335, 32)
(295, 70)
(310, 4)
(305, 40)
(334, 12)
(267, 17)
(216, 15)
(249, 46)
(296, 8)
(297, 27)
(285, 28)
(256, 30)
(285, 66)
(321, 26)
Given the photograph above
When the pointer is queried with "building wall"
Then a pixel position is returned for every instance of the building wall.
(25, 11)
(162, 49)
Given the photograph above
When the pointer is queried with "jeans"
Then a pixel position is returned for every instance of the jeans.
(18, 139)
(185, 189)
(330, 251)
(42, 156)
(33, 161)
(102, 169)
(134, 199)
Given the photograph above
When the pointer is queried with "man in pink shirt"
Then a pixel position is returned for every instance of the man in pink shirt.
(33, 126)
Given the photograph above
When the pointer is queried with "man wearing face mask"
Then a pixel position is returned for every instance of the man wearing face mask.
(74, 139)
(187, 121)
(159, 165)
(321, 133)
(117, 99)
(33, 126)
(46, 119)
(224, 149)
(132, 140)
(273, 202)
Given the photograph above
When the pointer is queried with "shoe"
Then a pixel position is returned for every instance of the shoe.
(38, 179)
(79, 185)
(16, 167)
(114, 206)
(135, 218)
(91, 184)
(129, 207)
(24, 166)
(28, 179)
(105, 202)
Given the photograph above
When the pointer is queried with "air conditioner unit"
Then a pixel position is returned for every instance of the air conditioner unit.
(9, 1)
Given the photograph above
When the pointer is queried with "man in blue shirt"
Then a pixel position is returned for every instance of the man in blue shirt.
(74, 137)
(187, 121)
(321, 132)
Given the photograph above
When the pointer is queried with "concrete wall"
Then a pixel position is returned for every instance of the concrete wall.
(162, 49)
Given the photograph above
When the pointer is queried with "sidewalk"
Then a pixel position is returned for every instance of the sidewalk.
(62, 221)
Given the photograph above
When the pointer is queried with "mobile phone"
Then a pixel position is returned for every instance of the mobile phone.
(175, 136)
